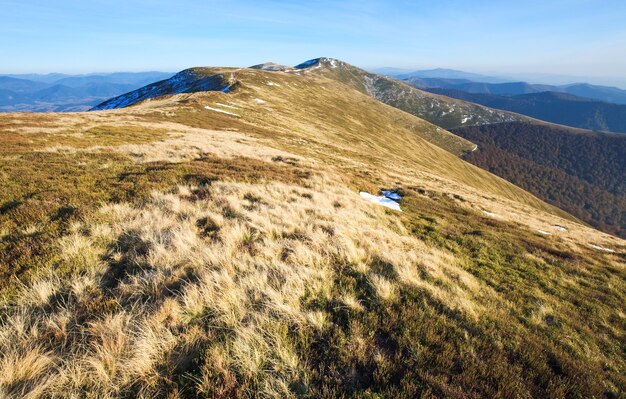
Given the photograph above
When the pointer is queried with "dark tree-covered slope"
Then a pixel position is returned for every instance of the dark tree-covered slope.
(583, 173)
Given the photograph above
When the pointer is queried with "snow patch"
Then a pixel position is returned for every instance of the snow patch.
(545, 233)
(308, 63)
(272, 67)
(599, 248)
(313, 68)
(465, 119)
(186, 81)
(272, 84)
(559, 228)
(222, 111)
(259, 101)
(449, 111)
(384, 201)
(491, 214)
(391, 195)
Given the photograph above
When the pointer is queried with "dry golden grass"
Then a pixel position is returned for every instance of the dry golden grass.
(237, 264)
(254, 269)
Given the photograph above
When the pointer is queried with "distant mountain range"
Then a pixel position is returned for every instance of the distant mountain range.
(562, 108)
(580, 105)
(602, 93)
(63, 92)
(442, 73)
(60, 92)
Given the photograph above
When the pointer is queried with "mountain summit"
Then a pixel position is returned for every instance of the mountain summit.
(320, 62)
(442, 111)
(188, 81)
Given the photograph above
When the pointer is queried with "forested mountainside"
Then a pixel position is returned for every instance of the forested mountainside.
(581, 172)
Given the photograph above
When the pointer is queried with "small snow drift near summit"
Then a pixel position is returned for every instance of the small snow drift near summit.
(318, 63)
(272, 67)
(308, 64)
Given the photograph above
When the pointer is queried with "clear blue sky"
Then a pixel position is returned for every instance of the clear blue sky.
(567, 37)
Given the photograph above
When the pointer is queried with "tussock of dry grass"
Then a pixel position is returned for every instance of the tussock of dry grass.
(228, 272)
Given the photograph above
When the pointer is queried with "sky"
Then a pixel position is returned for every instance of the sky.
(581, 38)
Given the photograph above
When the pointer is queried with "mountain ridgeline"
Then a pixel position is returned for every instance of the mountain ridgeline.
(442, 111)
(188, 81)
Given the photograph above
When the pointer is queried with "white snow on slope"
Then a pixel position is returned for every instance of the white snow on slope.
(384, 201)
(391, 195)
(308, 63)
(259, 101)
(318, 66)
(493, 215)
(222, 111)
(599, 248)
(272, 67)
(186, 81)
(545, 233)
(317, 63)
(559, 228)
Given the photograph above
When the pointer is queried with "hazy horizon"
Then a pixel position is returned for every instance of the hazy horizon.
(530, 77)
(581, 39)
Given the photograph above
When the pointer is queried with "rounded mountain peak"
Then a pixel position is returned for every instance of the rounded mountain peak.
(271, 66)
(320, 62)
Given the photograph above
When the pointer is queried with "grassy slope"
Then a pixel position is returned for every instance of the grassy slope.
(442, 111)
(255, 268)
(298, 108)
